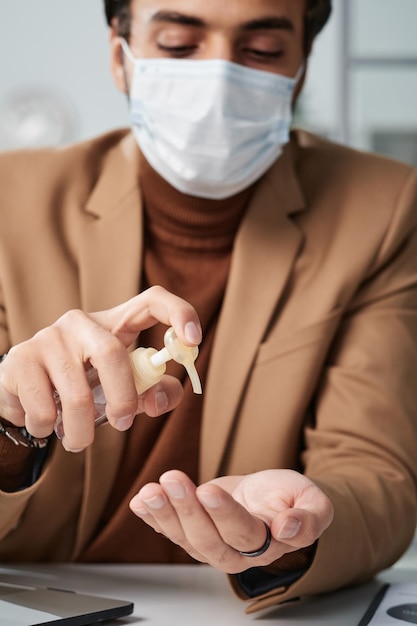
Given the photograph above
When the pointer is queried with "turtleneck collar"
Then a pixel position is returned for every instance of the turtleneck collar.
(186, 221)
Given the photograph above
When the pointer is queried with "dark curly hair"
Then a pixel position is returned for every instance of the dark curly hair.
(317, 14)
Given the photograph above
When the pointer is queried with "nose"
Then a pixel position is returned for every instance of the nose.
(219, 46)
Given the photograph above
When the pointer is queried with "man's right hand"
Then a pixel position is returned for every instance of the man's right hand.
(55, 358)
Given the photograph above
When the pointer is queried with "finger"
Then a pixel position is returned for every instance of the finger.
(153, 305)
(147, 502)
(73, 401)
(305, 521)
(10, 406)
(235, 524)
(200, 530)
(27, 397)
(153, 506)
(300, 528)
(162, 397)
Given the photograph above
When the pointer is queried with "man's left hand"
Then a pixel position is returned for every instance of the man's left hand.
(219, 519)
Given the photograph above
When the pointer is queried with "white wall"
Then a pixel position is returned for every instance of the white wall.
(382, 96)
(54, 52)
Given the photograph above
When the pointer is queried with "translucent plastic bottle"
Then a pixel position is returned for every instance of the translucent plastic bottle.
(148, 366)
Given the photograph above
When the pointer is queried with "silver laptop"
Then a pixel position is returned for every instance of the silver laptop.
(24, 605)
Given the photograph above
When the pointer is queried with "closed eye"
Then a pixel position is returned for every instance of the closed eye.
(178, 52)
(263, 54)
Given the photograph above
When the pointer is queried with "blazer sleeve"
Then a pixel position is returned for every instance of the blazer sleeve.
(361, 436)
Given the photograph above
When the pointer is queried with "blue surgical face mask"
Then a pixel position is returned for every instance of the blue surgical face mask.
(210, 128)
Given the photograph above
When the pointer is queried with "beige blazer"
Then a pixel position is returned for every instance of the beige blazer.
(314, 363)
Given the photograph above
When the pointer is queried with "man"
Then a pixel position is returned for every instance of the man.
(299, 257)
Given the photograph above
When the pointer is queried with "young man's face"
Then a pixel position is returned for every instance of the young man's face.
(262, 34)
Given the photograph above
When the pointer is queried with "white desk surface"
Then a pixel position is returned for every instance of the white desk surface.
(187, 595)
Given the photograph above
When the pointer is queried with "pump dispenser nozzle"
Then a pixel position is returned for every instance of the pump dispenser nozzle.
(148, 366)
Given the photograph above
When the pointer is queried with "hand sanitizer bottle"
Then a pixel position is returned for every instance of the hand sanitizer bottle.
(148, 366)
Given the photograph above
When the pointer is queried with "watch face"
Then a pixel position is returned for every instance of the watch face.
(34, 118)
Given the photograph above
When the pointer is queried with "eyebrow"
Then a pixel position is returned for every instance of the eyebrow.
(263, 23)
(177, 18)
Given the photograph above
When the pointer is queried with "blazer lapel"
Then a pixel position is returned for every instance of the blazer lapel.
(110, 254)
(264, 254)
(111, 240)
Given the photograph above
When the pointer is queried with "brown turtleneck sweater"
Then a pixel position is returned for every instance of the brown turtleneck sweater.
(188, 244)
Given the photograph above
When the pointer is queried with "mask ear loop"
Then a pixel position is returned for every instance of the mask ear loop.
(129, 54)
(126, 49)
(299, 73)
(296, 80)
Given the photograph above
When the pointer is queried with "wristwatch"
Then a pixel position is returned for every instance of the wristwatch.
(19, 435)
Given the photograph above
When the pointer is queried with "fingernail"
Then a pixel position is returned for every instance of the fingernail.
(137, 507)
(161, 402)
(192, 333)
(157, 502)
(209, 500)
(73, 450)
(290, 528)
(123, 423)
(174, 489)
(68, 448)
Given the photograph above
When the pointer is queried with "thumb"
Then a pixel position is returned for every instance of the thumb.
(299, 527)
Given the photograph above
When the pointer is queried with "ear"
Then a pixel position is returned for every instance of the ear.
(117, 66)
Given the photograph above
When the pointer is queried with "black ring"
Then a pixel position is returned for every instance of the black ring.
(264, 548)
